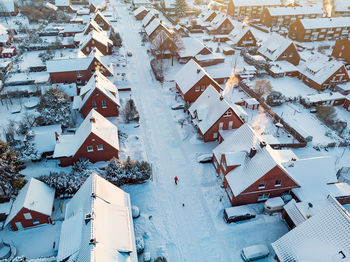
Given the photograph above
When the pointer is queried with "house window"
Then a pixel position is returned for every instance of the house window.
(99, 147)
(215, 135)
(228, 113)
(262, 184)
(104, 104)
(224, 165)
(197, 89)
(229, 192)
(79, 74)
(263, 197)
(230, 125)
(278, 182)
(203, 87)
(87, 49)
(27, 216)
(93, 41)
(35, 221)
(94, 105)
(90, 149)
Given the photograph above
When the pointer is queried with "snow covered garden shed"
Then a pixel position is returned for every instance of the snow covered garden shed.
(32, 207)
(98, 225)
(96, 140)
(191, 81)
(100, 94)
(211, 113)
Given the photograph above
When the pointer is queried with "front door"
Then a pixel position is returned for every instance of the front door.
(19, 225)
(230, 125)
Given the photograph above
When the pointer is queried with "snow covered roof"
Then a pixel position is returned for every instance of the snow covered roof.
(147, 19)
(219, 20)
(9, 5)
(45, 139)
(68, 64)
(101, 37)
(324, 97)
(94, 26)
(189, 75)
(341, 6)
(324, 237)
(295, 10)
(35, 196)
(100, 82)
(318, 68)
(98, 3)
(153, 26)
(140, 10)
(98, 13)
(333, 22)
(190, 47)
(313, 175)
(72, 28)
(62, 3)
(109, 235)
(238, 33)
(238, 3)
(282, 67)
(208, 14)
(209, 108)
(68, 145)
(274, 46)
(251, 169)
(51, 6)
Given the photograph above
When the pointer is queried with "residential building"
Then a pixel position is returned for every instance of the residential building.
(341, 50)
(250, 8)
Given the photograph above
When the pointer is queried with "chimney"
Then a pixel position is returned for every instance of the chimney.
(221, 97)
(198, 71)
(57, 136)
(262, 144)
(252, 152)
(92, 120)
(92, 241)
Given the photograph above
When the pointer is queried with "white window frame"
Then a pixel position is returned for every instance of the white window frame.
(99, 147)
(215, 135)
(280, 182)
(94, 104)
(36, 222)
(104, 103)
(90, 148)
(229, 192)
(27, 216)
(228, 113)
(262, 185)
(197, 89)
(263, 197)
(230, 125)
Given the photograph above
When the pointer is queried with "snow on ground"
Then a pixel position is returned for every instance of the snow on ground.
(34, 242)
(195, 231)
(44, 167)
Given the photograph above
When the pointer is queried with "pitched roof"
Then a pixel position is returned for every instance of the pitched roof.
(140, 10)
(319, 68)
(316, 23)
(190, 47)
(238, 33)
(219, 20)
(153, 25)
(111, 226)
(251, 169)
(255, 2)
(100, 82)
(147, 19)
(274, 46)
(208, 108)
(324, 237)
(62, 3)
(98, 13)
(94, 26)
(100, 37)
(68, 64)
(189, 75)
(35, 196)
(295, 10)
(68, 145)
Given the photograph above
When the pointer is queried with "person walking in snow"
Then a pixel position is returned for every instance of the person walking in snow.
(176, 180)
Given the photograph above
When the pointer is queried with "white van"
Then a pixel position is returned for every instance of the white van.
(273, 205)
(255, 252)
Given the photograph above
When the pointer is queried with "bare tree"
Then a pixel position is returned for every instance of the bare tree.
(175, 45)
(262, 87)
(159, 45)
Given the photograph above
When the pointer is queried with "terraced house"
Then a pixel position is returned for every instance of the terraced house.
(250, 8)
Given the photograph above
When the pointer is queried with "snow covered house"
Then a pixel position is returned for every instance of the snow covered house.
(98, 225)
(220, 25)
(208, 16)
(329, 98)
(97, 5)
(4, 35)
(76, 70)
(65, 5)
(155, 28)
(9, 8)
(32, 207)
(250, 8)
(100, 94)
(211, 113)
(242, 37)
(322, 73)
(341, 50)
(323, 237)
(101, 20)
(278, 48)
(8, 52)
(97, 40)
(149, 17)
(45, 138)
(92, 26)
(192, 80)
(283, 16)
(320, 29)
(140, 13)
(251, 170)
(189, 47)
(96, 139)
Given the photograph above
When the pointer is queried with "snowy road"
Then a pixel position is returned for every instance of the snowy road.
(185, 233)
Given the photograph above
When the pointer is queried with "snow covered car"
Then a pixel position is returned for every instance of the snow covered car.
(255, 252)
(205, 158)
(239, 213)
(273, 205)
(129, 53)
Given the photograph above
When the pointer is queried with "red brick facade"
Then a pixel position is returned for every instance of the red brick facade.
(290, 54)
(94, 156)
(248, 39)
(107, 108)
(347, 104)
(36, 219)
(243, 11)
(79, 77)
(89, 46)
(194, 93)
(102, 22)
(342, 50)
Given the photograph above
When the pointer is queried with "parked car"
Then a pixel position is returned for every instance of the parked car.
(255, 252)
(205, 158)
(273, 205)
(129, 53)
(239, 213)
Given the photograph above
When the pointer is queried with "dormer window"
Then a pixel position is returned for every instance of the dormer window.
(228, 113)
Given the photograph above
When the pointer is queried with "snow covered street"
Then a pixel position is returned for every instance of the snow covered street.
(195, 231)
